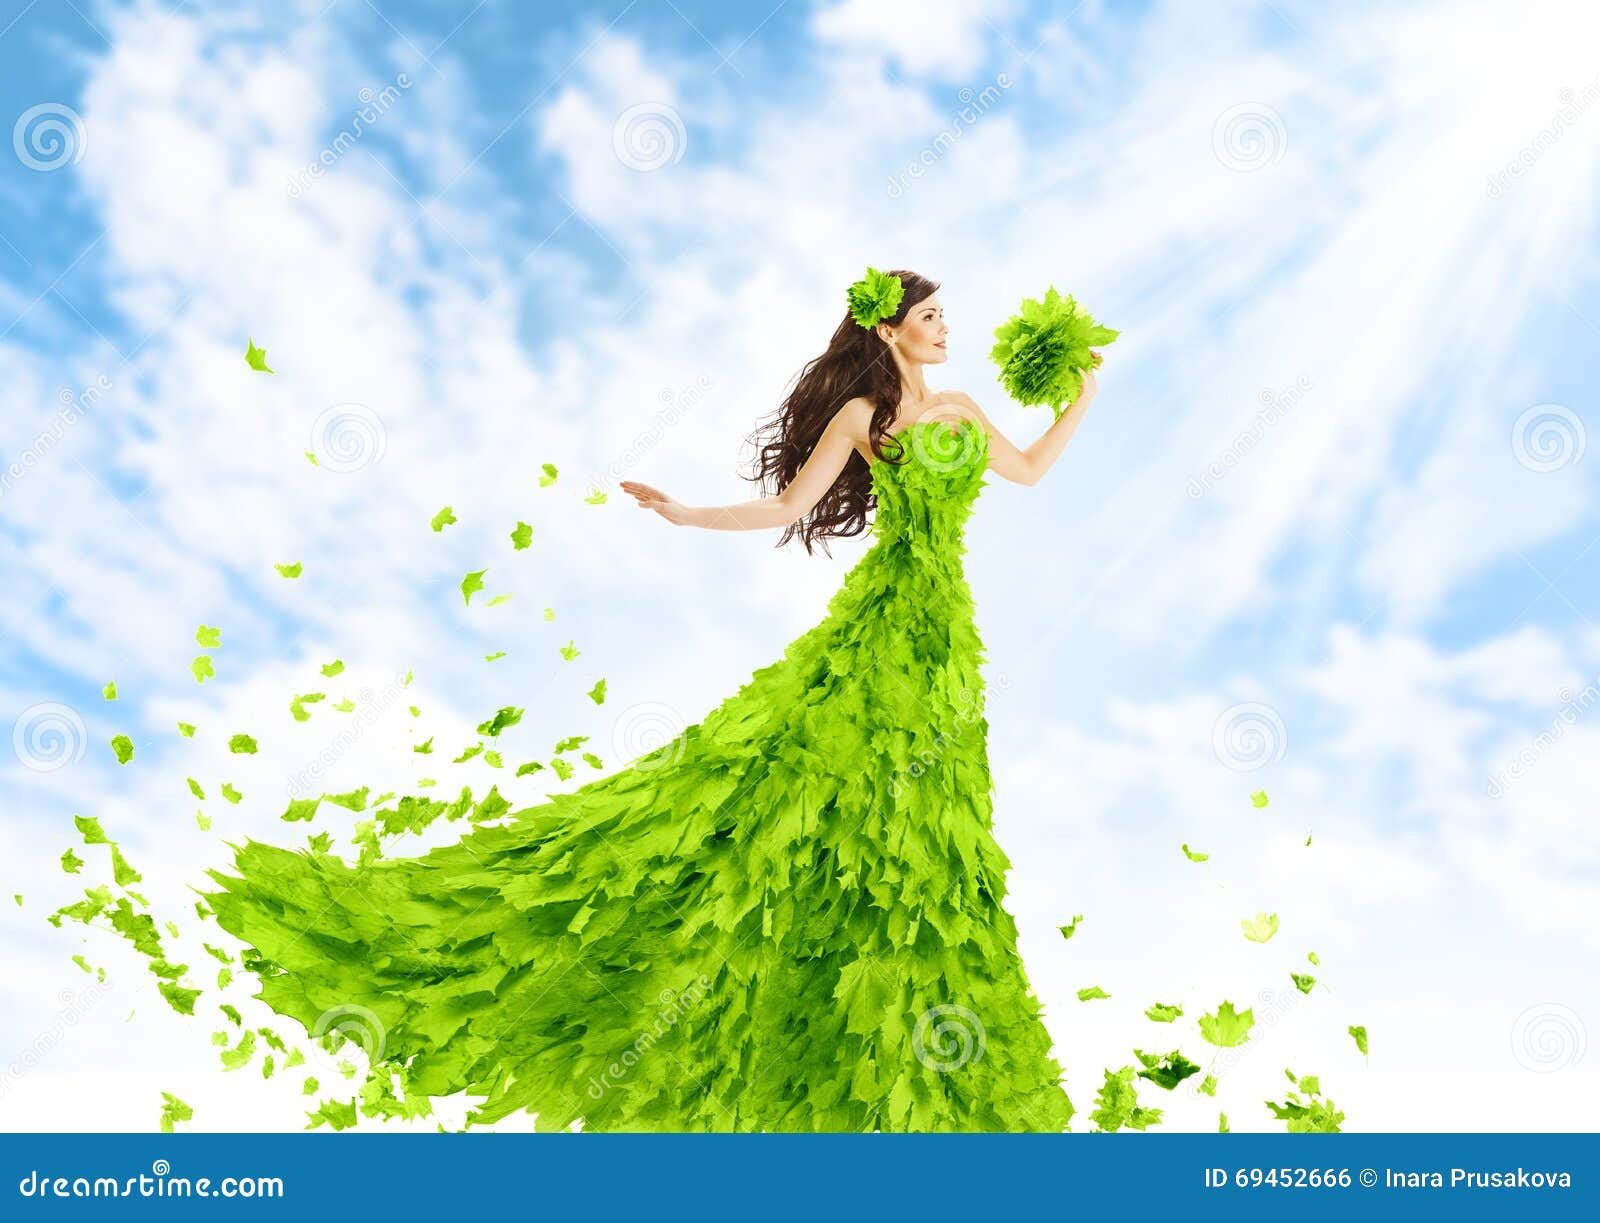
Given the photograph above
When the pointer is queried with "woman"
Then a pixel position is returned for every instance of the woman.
(790, 917)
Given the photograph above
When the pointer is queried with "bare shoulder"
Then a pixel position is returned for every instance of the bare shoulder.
(854, 418)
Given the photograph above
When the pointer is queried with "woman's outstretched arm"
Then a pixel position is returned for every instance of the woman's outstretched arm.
(815, 477)
(1027, 466)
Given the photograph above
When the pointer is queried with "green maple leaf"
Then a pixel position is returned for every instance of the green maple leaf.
(471, 585)
(208, 637)
(256, 358)
(549, 476)
(503, 719)
(549, 614)
(229, 793)
(1303, 982)
(297, 707)
(443, 519)
(1227, 1028)
(1166, 1070)
(1208, 1086)
(1260, 928)
(492, 759)
(569, 652)
(1193, 855)
(71, 863)
(533, 766)
(1071, 928)
(562, 769)
(1259, 798)
(173, 1111)
(495, 657)
(1222, 1124)
(203, 669)
(330, 669)
(1093, 991)
(110, 691)
(595, 498)
(468, 753)
(202, 821)
(345, 706)
(1359, 1035)
(593, 761)
(293, 570)
(312, 459)
(242, 745)
(569, 743)
(1117, 1104)
(186, 729)
(1162, 1012)
(424, 749)
(240, 1055)
(497, 600)
(196, 789)
(1312, 956)
(522, 536)
(123, 747)
(597, 694)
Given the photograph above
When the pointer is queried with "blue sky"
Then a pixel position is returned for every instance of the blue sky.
(1336, 485)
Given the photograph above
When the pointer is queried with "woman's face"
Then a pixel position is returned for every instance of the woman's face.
(922, 336)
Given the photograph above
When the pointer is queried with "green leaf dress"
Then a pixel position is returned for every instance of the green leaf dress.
(787, 919)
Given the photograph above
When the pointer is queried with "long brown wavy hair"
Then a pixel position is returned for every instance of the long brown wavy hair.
(857, 364)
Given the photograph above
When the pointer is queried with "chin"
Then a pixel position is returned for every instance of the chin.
(937, 356)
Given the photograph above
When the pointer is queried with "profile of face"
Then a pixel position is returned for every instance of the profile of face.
(921, 337)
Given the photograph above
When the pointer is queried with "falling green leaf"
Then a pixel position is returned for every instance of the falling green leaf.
(297, 707)
(503, 719)
(110, 691)
(1260, 928)
(195, 789)
(549, 476)
(1208, 1086)
(1308, 838)
(173, 1111)
(471, 585)
(1193, 855)
(1093, 991)
(549, 614)
(1222, 1124)
(312, 459)
(1312, 956)
(71, 863)
(123, 747)
(289, 571)
(208, 637)
(1259, 798)
(186, 729)
(229, 793)
(569, 652)
(497, 600)
(203, 669)
(203, 821)
(597, 694)
(533, 766)
(468, 754)
(522, 536)
(255, 357)
(1227, 1028)
(495, 657)
(330, 669)
(1166, 1070)
(1302, 982)
(345, 706)
(242, 745)
(1162, 1012)
(240, 1055)
(595, 498)
(1071, 928)
(442, 519)
(1117, 1104)
(593, 761)
(1359, 1035)
(425, 749)
(562, 769)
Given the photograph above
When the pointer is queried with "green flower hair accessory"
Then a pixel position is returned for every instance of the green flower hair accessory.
(1043, 350)
(875, 297)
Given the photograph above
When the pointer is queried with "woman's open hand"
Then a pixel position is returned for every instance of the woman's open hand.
(654, 499)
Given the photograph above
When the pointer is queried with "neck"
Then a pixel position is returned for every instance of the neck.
(913, 386)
